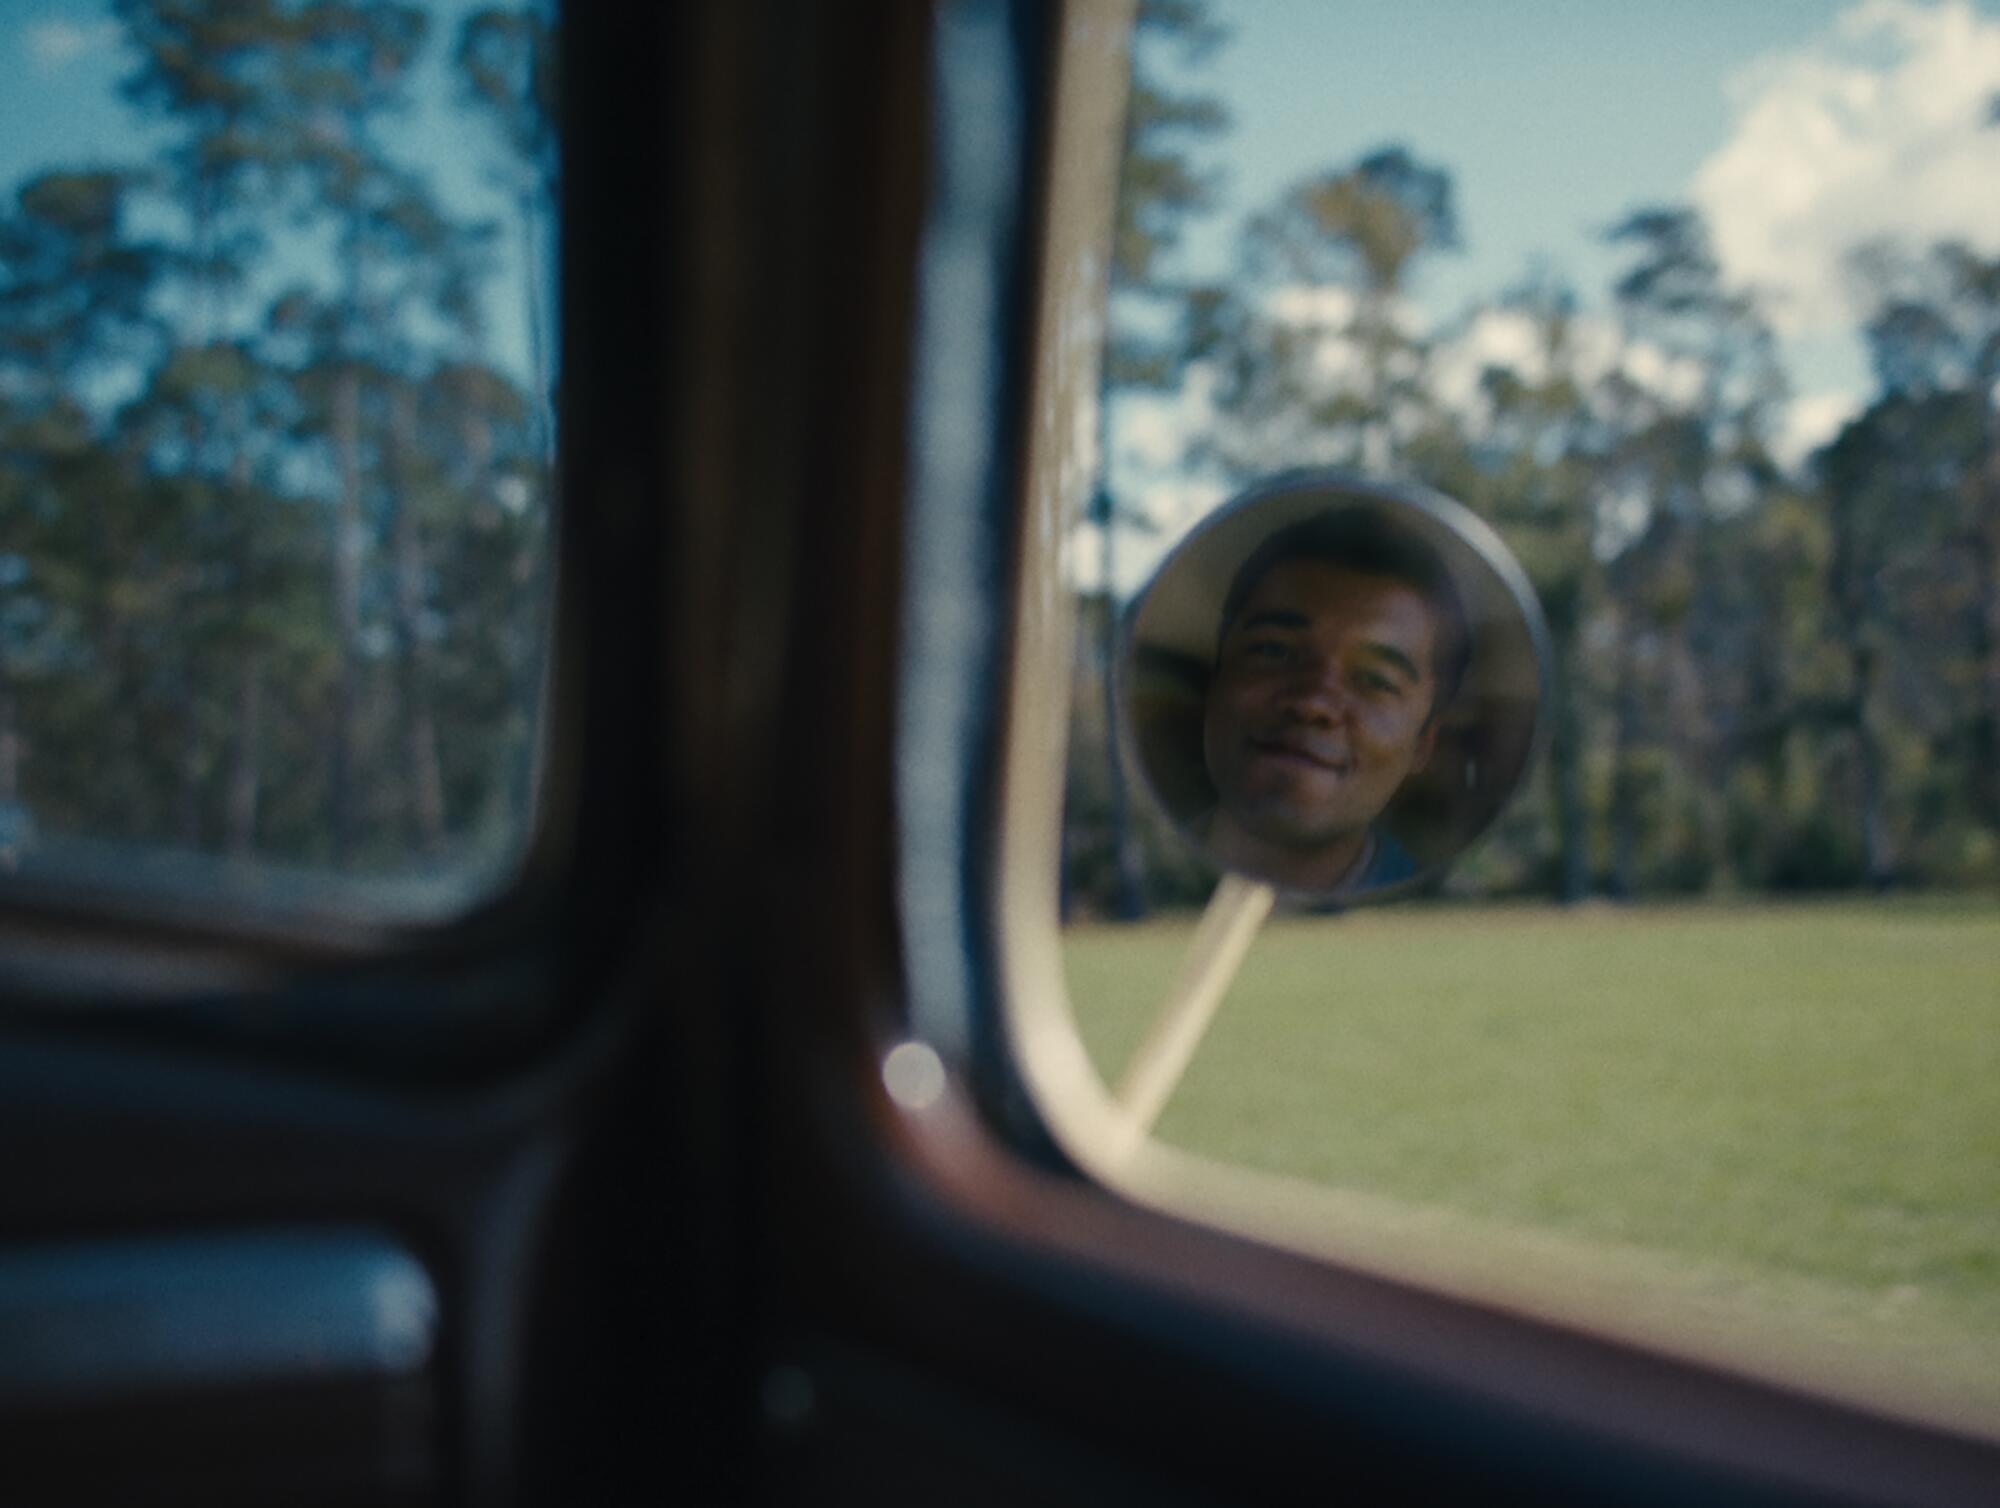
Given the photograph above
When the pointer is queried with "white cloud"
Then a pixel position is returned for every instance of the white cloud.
(513, 494)
(1308, 306)
(1621, 516)
(1337, 363)
(1174, 506)
(1508, 338)
(1593, 348)
(53, 43)
(1677, 379)
(1332, 306)
(1152, 430)
(1877, 127)
(1808, 422)
(1154, 478)
(1493, 338)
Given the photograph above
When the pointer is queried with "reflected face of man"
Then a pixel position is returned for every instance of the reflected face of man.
(1320, 707)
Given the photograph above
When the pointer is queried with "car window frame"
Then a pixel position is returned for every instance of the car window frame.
(1163, 1221)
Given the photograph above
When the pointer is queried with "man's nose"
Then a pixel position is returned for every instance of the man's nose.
(1316, 694)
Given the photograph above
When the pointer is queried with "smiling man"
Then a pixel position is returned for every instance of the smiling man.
(1342, 641)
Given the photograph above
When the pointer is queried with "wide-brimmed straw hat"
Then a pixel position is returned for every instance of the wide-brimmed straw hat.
(1487, 733)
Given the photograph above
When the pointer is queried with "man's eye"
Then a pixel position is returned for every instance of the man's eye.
(1267, 649)
(1376, 683)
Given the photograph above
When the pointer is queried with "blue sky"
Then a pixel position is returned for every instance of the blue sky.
(1797, 125)
(1552, 116)
(62, 61)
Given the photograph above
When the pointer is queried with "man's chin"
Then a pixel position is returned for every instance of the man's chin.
(1294, 833)
(1292, 795)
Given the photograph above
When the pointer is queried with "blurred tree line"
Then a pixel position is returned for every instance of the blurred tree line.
(273, 521)
(1767, 678)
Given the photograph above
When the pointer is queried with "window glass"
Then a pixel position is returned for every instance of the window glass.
(1698, 308)
(276, 342)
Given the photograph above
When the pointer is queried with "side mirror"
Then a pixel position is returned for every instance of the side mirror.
(1333, 686)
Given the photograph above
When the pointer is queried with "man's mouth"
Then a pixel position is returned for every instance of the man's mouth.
(1301, 753)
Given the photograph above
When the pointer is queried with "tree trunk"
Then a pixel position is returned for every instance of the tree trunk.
(1879, 866)
(1985, 772)
(187, 720)
(348, 542)
(538, 365)
(1763, 739)
(426, 783)
(531, 627)
(11, 834)
(10, 751)
(1702, 650)
(1625, 785)
(243, 775)
(1566, 773)
(1871, 800)
(1853, 600)
(1130, 902)
(240, 801)
(10, 739)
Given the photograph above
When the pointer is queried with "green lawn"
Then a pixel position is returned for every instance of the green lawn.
(1793, 1111)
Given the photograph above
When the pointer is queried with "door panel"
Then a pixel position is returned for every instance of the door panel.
(225, 1368)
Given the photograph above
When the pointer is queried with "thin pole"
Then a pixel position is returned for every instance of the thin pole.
(1228, 927)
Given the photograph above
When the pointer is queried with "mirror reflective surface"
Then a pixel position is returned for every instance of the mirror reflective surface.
(1333, 685)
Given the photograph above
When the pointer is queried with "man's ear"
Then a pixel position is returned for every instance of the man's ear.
(1426, 742)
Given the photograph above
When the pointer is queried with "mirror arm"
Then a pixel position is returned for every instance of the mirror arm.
(1235, 913)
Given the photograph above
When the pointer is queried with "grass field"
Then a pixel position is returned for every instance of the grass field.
(1790, 1111)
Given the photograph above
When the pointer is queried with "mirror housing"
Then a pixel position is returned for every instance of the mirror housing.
(1280, 755)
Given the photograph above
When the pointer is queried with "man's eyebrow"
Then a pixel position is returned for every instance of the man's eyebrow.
(1395, 657)
(1271, 618)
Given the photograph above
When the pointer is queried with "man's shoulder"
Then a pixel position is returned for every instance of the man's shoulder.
(1390, 864)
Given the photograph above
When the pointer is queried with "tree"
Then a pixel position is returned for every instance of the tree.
(223, 78)
(1161, 189)
(1315, 352)
(1532, 469)
(267, 563)
(506, 59)
(1907, 504)
(1933, 326)
(1691, 453)
(75, 287)
(356, 59)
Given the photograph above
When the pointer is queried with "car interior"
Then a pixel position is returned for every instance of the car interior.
(707, 1158)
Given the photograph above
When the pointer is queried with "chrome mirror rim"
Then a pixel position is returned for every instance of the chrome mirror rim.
(1198, 568)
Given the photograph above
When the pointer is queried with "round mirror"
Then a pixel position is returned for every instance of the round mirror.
(1333, 686)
